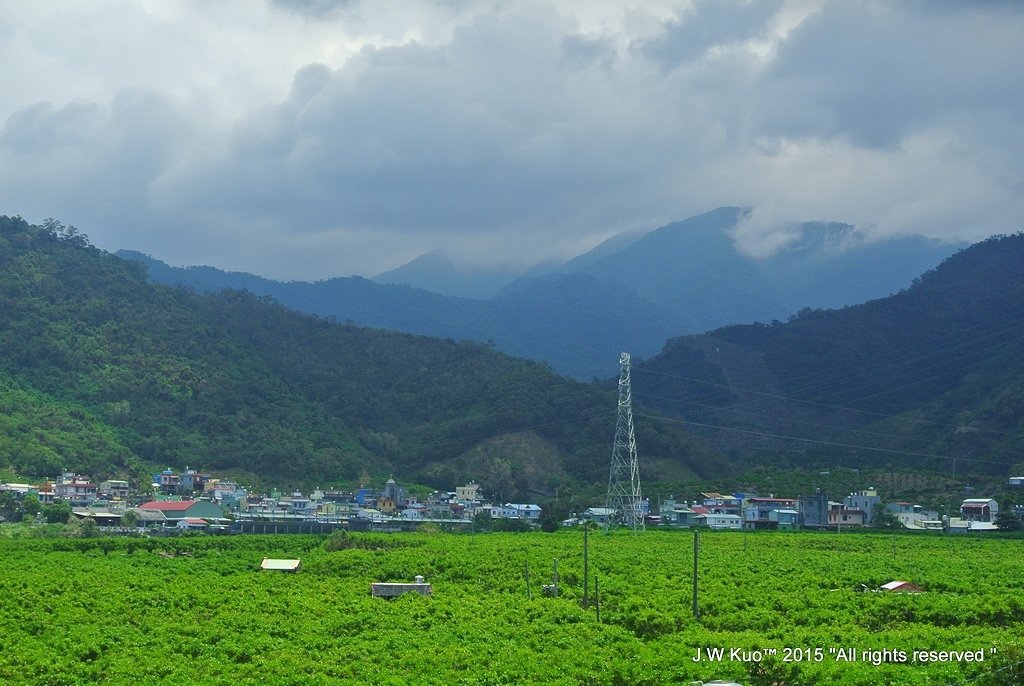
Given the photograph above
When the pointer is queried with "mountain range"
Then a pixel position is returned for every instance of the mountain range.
(929, 378)
(630, 293)
(106, 373)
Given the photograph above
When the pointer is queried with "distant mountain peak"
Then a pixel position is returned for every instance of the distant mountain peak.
(441, 272)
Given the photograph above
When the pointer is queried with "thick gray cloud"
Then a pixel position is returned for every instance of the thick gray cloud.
(313, 138)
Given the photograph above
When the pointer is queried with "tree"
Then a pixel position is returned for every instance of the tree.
(82, 528)
(31, 505)
(1006, 520)
(129, 519)
(549, 523)
(482, 521)
(8, 505)
(886, 520)
(57, 513)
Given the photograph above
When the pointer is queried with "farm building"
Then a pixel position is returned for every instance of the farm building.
(393, 590)
(177, 510)
(100, 516)
(192, 524)
(979, 510)
(901, 587)
(719, 521)
(272, 565)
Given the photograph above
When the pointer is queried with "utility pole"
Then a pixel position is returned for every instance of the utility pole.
(586, 570)
(696, 558)
(624, 497)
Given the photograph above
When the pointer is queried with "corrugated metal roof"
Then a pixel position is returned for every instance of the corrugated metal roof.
(280, 565)
(168, 505)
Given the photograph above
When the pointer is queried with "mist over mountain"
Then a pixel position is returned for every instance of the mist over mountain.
(437, 272)
(632, 292)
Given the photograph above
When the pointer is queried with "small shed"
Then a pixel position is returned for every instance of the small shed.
(901, 587)
(272, 565)
(393, 590)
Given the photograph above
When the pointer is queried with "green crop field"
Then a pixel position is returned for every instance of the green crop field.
(782, 607)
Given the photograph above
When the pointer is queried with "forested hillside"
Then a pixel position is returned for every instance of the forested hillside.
(104, 372)
(630, 293)
(577, 324)
(931, 377)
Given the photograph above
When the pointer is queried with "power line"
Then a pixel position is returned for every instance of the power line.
(789, 420)
(765, 434)
(821, 381)
(813, 403)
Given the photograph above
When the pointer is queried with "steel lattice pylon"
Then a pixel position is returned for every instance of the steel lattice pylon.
(624, 497)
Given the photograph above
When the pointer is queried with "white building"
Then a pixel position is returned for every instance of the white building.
(523, 511)
(979, 510)
(721, 521)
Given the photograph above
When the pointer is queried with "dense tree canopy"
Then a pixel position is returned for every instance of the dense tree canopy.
(103, 372)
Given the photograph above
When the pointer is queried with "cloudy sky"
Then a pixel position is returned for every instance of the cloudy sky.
(304, 139)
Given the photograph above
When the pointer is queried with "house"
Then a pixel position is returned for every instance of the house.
(167, 481)
(814, 510)
(414, 511)
(756, 511)
(370, 514)
(599, 515)
(192, 524)
(328, 509)
(916, 519)
(468, 494)
(114, 488)
(191, 480)
(298, 504)
(840, 516)
(676, 514)
(365, 497)
(720, 521)
(341, 497)
(75, 489)
(523, 511)
(867, 501)
(979, 510)
(1017, 480)
(20, 490)
(46, 494)
(785, 518)
(224, 491)
(174, 511)
(716, 503)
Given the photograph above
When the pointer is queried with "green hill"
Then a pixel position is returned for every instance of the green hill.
(105, 372)
(929, 378)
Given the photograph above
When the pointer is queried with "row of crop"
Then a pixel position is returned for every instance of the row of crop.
(208, 615)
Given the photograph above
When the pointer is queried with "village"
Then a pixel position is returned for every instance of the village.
(195, 501)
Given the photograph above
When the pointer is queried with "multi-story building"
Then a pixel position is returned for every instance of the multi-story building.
(867, 500)
(75, 489)
(979, 510)
(114, 488)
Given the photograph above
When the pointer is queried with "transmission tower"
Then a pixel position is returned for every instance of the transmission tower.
(624, 497)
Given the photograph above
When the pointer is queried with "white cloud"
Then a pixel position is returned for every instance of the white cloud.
(313, 138)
